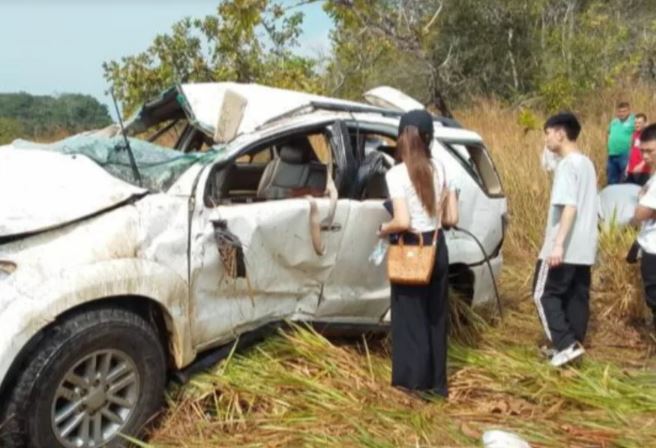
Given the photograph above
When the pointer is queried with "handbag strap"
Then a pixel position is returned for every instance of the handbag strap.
(421, 237)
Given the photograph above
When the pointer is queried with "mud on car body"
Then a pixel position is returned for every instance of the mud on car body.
(263, 208)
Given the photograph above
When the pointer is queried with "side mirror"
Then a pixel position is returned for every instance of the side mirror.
(231, 114)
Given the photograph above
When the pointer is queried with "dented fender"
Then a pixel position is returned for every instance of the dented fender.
(32, 309)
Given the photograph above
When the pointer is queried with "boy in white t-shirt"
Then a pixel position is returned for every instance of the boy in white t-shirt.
(645, 215)
(562, 281)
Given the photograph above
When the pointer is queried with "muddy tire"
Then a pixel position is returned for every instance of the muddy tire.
(93, 377)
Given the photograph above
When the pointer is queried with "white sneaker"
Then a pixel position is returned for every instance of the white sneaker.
(566, 355)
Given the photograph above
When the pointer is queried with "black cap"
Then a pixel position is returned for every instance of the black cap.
(419, 118)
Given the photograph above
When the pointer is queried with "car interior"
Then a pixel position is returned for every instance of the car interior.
(375, 154)
(178, 134)
(296, 166)
(291, 167)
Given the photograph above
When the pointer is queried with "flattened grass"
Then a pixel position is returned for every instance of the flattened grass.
(300, 389)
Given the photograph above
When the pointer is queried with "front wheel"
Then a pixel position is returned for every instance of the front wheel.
(94, 378)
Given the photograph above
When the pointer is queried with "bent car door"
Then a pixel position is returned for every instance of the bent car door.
(358, 290)
(266, 238)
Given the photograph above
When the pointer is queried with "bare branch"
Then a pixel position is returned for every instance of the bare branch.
(301, 3)
(385, 25)
(431, 22)
(447, 58)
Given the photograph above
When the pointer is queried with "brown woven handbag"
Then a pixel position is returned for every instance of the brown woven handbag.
(411, 265)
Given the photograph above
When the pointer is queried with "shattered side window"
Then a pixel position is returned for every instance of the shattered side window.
(159, 167)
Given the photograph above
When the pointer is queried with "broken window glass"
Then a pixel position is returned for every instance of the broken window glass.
(159, 167)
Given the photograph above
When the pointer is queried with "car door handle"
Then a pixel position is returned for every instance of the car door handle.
(331, 228)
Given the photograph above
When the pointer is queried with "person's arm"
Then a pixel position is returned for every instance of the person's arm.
(565, 225)
(450, 213)
(642, 214)
(564, 196)
(646, 208)
(400, 222)
(447, 208)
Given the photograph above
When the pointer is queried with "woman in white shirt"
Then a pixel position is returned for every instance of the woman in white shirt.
(422, 203)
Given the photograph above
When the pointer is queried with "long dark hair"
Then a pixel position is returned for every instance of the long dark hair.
(413, 150)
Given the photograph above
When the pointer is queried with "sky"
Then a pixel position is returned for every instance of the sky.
(49, 47)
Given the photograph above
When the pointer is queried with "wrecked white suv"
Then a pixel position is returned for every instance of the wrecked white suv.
(122, 260)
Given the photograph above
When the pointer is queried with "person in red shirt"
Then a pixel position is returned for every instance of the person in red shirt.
(637, 170)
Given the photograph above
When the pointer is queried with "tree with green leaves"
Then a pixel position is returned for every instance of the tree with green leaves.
(245, 41)
(548, 50)
(383, 42)
(35, 117)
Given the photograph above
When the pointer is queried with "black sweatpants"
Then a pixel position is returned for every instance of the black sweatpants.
(562, 298)
(648, 272)
(419, 329)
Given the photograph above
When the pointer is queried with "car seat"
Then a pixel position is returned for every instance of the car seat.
(286, 172)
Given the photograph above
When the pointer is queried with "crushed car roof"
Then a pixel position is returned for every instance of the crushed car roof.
(202, 105)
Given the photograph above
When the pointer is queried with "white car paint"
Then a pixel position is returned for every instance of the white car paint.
(38, 190)
(162, 246)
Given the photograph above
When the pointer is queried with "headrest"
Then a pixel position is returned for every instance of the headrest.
(292, 154)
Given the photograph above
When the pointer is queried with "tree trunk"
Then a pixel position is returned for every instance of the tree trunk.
(438, 104)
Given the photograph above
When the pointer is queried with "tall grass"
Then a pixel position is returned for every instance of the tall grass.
(300, 389)
(516, 150)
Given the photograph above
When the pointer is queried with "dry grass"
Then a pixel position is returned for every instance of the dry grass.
(299, 389)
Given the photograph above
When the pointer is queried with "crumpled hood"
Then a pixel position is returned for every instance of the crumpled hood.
(40, 190)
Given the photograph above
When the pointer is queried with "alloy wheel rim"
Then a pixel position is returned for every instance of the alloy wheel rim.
(95, 399)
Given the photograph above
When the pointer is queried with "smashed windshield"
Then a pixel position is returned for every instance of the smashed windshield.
(159, 167)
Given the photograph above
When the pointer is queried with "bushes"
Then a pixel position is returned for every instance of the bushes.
(38, 117)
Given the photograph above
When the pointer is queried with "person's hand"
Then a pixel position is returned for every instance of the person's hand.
(640, 166)
(379, 231)
(556, 257)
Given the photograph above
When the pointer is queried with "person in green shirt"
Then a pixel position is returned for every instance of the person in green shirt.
(620, 132)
